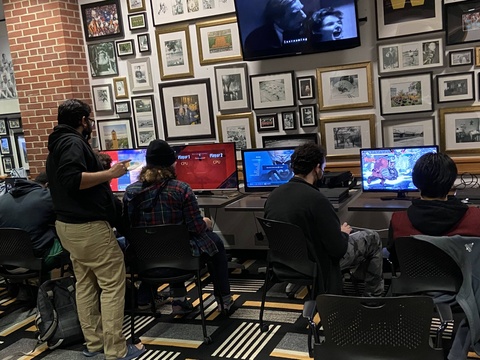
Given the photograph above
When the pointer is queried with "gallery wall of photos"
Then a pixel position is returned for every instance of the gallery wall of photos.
(179, 75)
(13, 150)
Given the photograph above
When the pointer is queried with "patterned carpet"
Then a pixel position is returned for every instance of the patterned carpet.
(180, 337)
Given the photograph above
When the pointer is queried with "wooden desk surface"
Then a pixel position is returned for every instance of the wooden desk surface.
(373, 202)
(218, 201)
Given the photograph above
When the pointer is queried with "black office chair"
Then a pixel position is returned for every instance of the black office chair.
(359, 328)
(163, 246)
(16, 250)
(425, 268)
(287, 259)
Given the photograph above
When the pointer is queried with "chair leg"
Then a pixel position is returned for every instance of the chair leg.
(206, 339)
(264, 327)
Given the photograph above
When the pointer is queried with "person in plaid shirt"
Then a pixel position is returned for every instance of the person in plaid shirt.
(158, 198)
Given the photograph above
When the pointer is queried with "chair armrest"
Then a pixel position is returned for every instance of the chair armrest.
(445, 312)
(309, 309)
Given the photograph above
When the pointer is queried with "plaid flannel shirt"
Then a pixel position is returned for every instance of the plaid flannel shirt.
(176, 204)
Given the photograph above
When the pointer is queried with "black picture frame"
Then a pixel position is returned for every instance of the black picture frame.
(122, 107)
(137, 21)
(15, 123)
(21, 151)
(143, 43)
(306, 87)
(464, 57)
(455, 87)
(125, 47)
(3, 127)
(459, 28)
(5, 146)
(102, 59)
(289, 120)
(8, 164)
(271, 141)
(308, 115)
(267, 122)
(110, 9)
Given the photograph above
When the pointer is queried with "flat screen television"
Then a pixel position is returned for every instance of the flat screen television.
(266, 169)
(137, 161)
(389, 170)
(207, 167)
(321, 25)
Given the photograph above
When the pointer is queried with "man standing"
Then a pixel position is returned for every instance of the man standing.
(85, 207)
(299, 202)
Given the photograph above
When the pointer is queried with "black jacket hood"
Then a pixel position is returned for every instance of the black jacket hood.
(23, 187)
(60, 133)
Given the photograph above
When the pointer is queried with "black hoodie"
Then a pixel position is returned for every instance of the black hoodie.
(71, 155)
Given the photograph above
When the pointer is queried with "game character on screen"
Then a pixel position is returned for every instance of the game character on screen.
(383, 169)
(326, 25)
(283, 172)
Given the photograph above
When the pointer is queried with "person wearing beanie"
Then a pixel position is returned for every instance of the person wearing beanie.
(159, 198)
(85, 208)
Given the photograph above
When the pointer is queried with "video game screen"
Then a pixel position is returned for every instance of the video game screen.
(266, 169)
(207, 166)
(137, 162)
(390, 169)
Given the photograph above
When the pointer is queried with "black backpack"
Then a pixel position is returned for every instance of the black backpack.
(57, 319)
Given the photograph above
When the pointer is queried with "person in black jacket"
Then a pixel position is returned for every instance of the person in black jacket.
(332, 246)
(85, 208)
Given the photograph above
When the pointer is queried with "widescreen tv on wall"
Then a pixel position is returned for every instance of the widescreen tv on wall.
(320, 25)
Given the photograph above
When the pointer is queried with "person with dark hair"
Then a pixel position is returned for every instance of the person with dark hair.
(159, 198)
(434, 213)
(333, 248)
(85, 207)
(326, 25)
(284, 27)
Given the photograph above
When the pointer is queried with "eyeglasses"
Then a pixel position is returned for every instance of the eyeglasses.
(92, 121)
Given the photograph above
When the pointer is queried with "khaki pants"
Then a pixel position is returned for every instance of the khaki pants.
(100, 272)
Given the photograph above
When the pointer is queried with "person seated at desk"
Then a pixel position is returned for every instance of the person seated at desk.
(300, 202)
(433, 213)
(158, 198)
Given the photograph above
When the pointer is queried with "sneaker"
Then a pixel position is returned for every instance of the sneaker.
(159, 302)
(181, 307)
(227, 303)
(88, 353)
(133, 352)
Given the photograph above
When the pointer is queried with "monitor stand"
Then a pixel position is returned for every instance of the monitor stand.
(211, 194)
(401, 195)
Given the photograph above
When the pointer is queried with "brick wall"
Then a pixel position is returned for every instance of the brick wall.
(48, 56)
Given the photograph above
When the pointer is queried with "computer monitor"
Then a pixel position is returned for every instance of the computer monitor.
(390, 169)
(207, 167)
(137, 162)
(266, 169)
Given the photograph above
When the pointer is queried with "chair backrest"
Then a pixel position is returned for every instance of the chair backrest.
(162, 246)
(359, 328)
(424, 267)
(16, 249)
(288, 246)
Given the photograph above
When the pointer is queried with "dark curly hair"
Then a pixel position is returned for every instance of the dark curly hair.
(434, 175)
(306, 157)
(72, 111)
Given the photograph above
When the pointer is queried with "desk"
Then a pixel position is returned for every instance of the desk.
(372, 202)
(215, 201)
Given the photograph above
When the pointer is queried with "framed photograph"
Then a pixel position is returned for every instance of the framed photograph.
(140, 74)
(232, 87)
(102, 20)
(103, 61)
(187, 110)
(5, 147)
(308, 115)
(143, 41)
(400, 18)
(135, 5)
(406, 94)
(455, 87)
(121, 88)
(477, 56)
(125, 48)
(145, 119)
(188, 10)
(267, 122)
(237, 128)
(8, 165)
(289, 120)
(306, 87)
(137, 21)
(345, 86)
(272, 141)
(102, 98)
(460, 130)
(272, 90)
(411, 55)
(115, 134)
(122, 107)
(408, 132)
(344, 136)
(461, 22)
(14, 124)
(460, 57)
(22, 151)
(218, 41)
(3, 127)
(174, 52)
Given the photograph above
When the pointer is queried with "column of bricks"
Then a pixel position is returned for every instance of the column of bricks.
(48, 56)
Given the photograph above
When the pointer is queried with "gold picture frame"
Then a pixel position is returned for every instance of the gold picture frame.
(345, 140)
(174, 52)
(218, 41)
(460, 130)
(477, 56)
(120, 87)
(238, 128)
(135, 5)
(345, 87)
